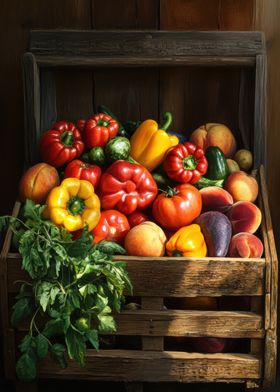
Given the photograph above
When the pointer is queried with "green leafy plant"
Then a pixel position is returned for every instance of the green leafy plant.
(74, 289)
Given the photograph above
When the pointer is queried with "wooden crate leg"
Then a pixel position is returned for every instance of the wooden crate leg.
(133, 387)
(21, 386)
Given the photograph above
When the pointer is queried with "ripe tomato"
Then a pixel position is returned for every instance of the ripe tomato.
(112, 226)
(177, 207)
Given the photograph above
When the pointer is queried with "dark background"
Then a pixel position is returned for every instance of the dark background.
(17, 17)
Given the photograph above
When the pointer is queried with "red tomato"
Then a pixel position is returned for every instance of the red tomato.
(177, 207)
(136, 218)
(112, 226)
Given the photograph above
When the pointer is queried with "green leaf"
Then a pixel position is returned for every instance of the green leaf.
(74, 297)
(21, 310)
(81, 246)
(44, 294)
(92, 336)
(75, 346)
(26, 367)
(53, 328)
(106, 323)
(27, 344)
(57, 353)
(110, 248)
(32, 211)
(42, 346)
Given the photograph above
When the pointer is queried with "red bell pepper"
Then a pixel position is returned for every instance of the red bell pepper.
(98, 129)
(185, 163)
(137, 217)
(83, 171)
(61, 144)
(127, 187)
(112, 226)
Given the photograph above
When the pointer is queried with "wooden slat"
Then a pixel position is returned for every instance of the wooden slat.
(145, 43)
(122, 365)
(152, 342)
(194, 323)
(190, 277)
(8, 334)
(31, 80)
(260, 136)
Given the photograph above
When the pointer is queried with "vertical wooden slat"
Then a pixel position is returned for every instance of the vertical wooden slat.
(130, 94)
(236, 15)
(31, 108)
(149, 342)
(48, 111)
(260, 113)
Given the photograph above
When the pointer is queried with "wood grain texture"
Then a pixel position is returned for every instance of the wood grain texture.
(145, 43)
(190, 323)
(18, 18)
(152, 342)
(190, 277)
(122, 365)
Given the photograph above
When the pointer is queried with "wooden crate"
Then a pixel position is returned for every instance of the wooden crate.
(240, 56)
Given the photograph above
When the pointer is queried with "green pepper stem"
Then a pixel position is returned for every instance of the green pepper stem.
(176, 253)
(67, 138)
(167, 121)
(103, 123)
(189, 163)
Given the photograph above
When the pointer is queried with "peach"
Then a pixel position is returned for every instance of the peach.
(215, 135)
(215, 198)
(242, 186)
(244, 217)
(146, 239)
(244, 158)
(245, 245)
(232, 165)
(37, 182)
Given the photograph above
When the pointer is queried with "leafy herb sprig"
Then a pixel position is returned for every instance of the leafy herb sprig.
(74, 289)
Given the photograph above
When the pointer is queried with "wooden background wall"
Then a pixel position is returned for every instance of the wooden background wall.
(19, 16)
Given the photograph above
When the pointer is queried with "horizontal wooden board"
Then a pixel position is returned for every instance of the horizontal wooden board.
(179, 277)
(190, 323)
(145, 43)
(143, 61)
(149, 366)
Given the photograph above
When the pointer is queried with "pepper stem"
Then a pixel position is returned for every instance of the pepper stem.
(176, 253)
(67, 138)
(75, 205)
(103, 123)
(189, 162)
(167, 121)
(170, 192)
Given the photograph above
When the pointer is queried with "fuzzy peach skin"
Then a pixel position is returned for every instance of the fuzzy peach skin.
(215, 198)
(245, 245)
(212, 134)
(37, 182)
(242, 186)
(146, 239)
(244, 217)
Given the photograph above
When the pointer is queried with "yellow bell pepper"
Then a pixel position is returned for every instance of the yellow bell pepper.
(149, 143)
(188, 242)
(73, 204)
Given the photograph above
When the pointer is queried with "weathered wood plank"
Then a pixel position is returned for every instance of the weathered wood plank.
(31, 79)
(190, 277)
(145, 43)
(8, 334)
(151, 61)
(260, 136)
(152, 342)
(235, 324)
(122, 365)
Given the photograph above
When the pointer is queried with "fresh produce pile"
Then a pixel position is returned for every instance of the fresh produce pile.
(105, 188)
